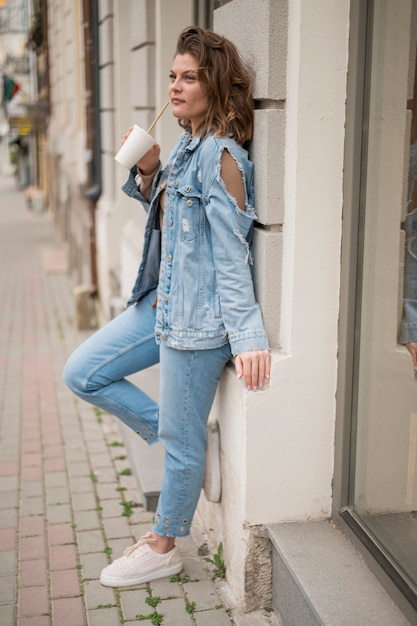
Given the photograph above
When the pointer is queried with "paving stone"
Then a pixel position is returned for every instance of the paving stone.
(203, 593)
(175, 613)
(32, 548)
(116, 527)
(97, 596)
(9, 483)
(63, 557)
(77, 468)
(84, 501)
(81, 484)
(92, 564)
(140, 516)
(33, 573)
(68, 612)
(107, 491)
(105, 475)
(101, 461)
(32, 488)
(118, 546)
(9, 499)
(164, 588)
(140, 530)
(110, 508)
(60, 534)
(87, 520)
(65, 583)
(7, 615)
(103, 617)
(33, 601)
(134, 603)
(32, 506)
(8, 562)
(32, 525)
(7, 589)
(8, 539)
(75, 455)
(129, 482)
(59, 513)
(194, 568)
(217, 617)
(90, 541)
(57, 495)
(133, 495)
(56, 479)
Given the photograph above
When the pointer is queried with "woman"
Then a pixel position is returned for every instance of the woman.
(192, 306)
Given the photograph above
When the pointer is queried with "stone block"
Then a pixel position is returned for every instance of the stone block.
(268, 153)
(268, 249)
(260, 32)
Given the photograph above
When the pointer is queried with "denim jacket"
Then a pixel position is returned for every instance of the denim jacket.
(205, 283)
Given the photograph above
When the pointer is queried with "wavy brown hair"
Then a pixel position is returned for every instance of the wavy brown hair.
(227, 81)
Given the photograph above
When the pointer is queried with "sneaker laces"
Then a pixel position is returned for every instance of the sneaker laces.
(145, 539)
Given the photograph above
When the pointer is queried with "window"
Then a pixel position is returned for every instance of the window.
(381, 389)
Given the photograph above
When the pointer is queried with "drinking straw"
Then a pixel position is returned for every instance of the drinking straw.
(158, 116)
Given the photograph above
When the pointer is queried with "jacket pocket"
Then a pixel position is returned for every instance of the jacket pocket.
(190, 213)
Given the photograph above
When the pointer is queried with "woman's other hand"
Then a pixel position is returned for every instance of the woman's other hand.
(254, 367)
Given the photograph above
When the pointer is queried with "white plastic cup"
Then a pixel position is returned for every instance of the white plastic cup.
(135, 147)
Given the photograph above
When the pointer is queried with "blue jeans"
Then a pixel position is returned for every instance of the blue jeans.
(96, 373)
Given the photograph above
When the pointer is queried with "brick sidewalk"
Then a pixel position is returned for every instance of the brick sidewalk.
(68, 501)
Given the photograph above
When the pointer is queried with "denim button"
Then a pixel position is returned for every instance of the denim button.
(175, 183)
(189, 203)
(166, 298)
(163, 337)
(170, 222)
(169, 257)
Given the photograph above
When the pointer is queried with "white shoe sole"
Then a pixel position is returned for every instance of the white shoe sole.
(162, 572)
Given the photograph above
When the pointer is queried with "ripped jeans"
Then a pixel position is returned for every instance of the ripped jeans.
(96, 372)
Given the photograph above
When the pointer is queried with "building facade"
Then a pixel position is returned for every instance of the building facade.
(334, 435)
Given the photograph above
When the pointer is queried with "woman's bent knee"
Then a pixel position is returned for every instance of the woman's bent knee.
(73, 375)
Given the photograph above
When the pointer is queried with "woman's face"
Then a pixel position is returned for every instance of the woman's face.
(188, 96)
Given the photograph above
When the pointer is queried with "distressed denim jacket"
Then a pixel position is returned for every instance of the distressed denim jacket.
(205, 283)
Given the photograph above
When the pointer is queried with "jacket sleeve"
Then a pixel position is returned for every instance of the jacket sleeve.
(229, 229)
(132, 189)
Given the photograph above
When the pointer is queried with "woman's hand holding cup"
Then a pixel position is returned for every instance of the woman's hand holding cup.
(140, 149)
(150, 161)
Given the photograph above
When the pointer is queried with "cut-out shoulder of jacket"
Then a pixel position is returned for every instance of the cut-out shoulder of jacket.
(232, 178)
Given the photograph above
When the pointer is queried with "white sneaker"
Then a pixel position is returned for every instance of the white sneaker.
(212, 484)
(141, 564)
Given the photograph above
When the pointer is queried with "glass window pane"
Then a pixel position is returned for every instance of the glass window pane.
(384, 489)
